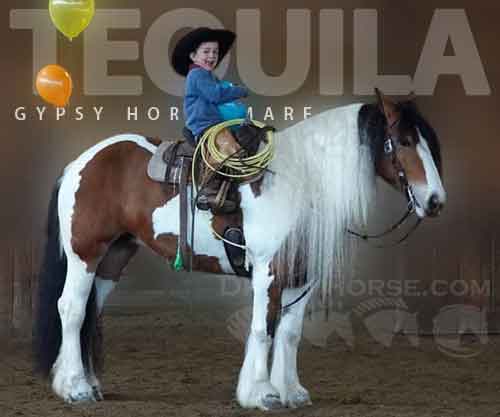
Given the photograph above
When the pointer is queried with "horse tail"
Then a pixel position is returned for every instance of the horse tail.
(47, 326)
(51, 280)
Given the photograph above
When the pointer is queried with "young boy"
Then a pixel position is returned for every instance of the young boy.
(195, 57)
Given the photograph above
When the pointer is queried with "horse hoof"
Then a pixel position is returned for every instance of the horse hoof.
(73, 389)
(299, 398)
(81, 397)
(97, 393)
(271, 402)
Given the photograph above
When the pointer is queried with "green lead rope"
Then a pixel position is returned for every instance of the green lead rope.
(178, 262)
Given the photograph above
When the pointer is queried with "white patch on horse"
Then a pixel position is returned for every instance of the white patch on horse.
(69, 377)
(166, 220)
(254, 388)
(434, 185)
(265, 219)
(104, 287)
(284, 375)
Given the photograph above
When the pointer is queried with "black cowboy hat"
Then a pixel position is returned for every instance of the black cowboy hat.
(190, 42)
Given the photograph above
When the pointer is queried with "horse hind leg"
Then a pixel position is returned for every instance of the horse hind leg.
(107, 276)
(69, 375)
(110, 268)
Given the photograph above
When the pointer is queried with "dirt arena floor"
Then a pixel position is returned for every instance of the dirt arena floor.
(182, 360)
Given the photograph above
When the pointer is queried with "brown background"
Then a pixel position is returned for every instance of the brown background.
(462, 244)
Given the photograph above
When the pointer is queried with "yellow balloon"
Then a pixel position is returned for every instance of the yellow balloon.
(71, 17)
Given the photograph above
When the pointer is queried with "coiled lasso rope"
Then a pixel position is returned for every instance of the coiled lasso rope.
(240, 168)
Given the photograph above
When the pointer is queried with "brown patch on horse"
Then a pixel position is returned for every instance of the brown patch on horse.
(413, 165)
(106, 210)
(273, 307)
(289, 276)
(99, 213)
(208, 264)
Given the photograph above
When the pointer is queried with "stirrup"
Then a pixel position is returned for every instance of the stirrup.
(235, 254)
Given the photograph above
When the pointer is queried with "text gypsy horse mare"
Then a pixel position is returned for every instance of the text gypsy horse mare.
(322, 181)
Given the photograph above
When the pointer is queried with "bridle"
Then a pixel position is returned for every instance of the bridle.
(390, 152)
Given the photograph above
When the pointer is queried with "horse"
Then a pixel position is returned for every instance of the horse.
(321, 181)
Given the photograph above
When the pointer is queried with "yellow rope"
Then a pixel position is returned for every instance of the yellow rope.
(244, 167)
(240, 167)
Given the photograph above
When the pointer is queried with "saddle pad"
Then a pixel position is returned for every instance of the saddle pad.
(157, 168)
(173, 153)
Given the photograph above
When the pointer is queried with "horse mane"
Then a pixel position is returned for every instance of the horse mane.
(372, 125)
(325, 181)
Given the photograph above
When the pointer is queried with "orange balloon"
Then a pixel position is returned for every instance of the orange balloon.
(54, 85)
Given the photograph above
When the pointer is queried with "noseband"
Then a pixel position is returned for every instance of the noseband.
(390, 152)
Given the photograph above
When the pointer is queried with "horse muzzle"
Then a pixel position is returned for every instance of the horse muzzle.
(434, 206)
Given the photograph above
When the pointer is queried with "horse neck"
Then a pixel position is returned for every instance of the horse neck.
(323, 181)
(320, 156)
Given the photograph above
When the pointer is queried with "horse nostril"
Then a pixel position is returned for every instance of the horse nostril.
(434, 206)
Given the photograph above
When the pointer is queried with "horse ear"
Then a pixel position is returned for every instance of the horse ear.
(387, 107)
(382, 102)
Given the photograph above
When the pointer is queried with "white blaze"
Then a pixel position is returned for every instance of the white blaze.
(434, 185)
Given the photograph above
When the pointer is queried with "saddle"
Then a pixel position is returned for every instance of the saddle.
(171, 164)
(169, 160)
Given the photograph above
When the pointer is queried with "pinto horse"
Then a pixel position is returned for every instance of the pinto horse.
(321, 182)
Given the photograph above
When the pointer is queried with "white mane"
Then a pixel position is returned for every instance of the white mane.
(324, 183)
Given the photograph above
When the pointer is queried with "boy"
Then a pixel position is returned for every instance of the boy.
(195, 57)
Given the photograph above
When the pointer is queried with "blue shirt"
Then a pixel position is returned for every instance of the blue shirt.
(204, 92)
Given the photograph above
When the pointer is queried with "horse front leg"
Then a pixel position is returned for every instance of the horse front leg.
(254, 388)
(284, 375)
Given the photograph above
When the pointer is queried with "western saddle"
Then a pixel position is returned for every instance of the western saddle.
(171, 164)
